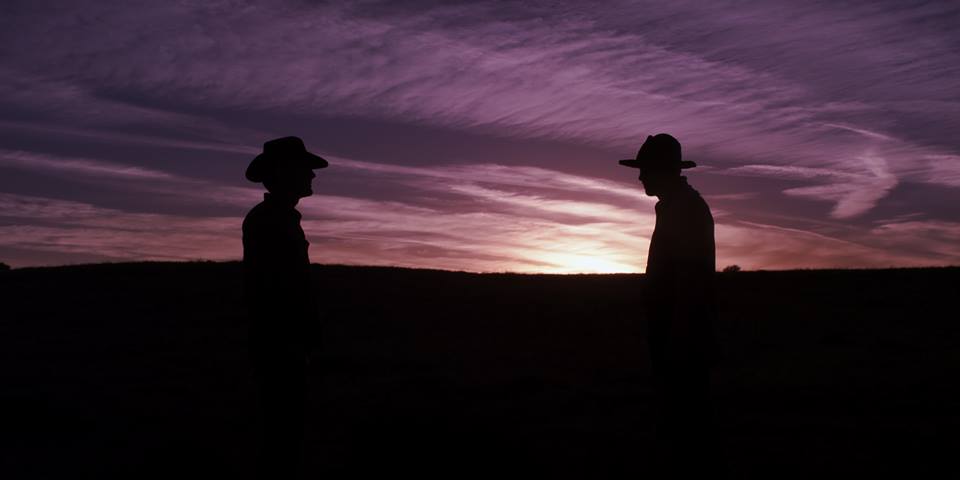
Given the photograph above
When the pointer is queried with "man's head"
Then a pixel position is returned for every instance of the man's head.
(291, 181)
(285, 167)
(659, 161)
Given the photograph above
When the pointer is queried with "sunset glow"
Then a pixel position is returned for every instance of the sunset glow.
(584, 263)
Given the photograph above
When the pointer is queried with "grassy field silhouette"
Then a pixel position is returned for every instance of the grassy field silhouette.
(140, 371)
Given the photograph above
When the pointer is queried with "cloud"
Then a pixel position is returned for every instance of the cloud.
(939, 239)
(762, 246)
(136, 181)
(114, 137)
(504, 229)
(85, 230)
(78, 166)
(573, 74)
(854, 193)
(390, 233)
(548, 232)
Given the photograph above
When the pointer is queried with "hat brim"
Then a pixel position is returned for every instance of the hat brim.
(261, 165)
(634, 163)
(315, 161)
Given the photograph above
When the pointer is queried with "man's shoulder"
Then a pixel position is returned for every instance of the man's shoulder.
(691, 198)
(257, 215)
(266, 220)
(267, 217)
(689, 206)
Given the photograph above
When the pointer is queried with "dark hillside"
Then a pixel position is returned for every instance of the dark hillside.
(140, 371)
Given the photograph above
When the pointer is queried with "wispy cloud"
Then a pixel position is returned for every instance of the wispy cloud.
(853, 193)
(136, 180)
(575, 74)
(89, 231)
(78, 166)
(505, 228)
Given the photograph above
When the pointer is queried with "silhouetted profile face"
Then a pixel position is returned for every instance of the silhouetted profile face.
(657, 180)
(293, 180)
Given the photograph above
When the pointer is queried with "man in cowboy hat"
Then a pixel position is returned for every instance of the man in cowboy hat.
(277, 291)
(680, 304)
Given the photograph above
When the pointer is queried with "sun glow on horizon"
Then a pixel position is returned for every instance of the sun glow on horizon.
(584, 263)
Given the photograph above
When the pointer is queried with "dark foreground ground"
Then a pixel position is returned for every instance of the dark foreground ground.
(139, 371)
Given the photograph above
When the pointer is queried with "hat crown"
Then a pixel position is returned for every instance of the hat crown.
(660, 151)
(659, 148)
(284, 145)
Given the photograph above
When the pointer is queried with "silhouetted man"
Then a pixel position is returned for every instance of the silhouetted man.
(278, 296)
(680, 306)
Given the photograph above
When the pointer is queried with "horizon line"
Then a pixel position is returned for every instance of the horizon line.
(490, 272)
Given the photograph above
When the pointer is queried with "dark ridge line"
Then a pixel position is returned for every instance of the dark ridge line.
(388, 268)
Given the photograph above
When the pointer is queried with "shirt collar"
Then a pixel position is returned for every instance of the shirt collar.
(271, 200)
(682, 187)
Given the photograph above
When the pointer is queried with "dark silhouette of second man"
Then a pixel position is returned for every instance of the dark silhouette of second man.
(680, 308)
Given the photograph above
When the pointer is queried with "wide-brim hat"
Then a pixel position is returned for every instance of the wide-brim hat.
(280, 152)
(660, 151)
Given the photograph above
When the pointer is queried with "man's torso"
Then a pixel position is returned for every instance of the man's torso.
(277, 284)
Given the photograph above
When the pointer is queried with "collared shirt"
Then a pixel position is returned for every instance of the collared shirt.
(277, 285)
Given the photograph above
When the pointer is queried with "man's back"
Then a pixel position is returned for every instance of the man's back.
(682, 261)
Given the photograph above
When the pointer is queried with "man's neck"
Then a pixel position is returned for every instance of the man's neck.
(671, 189)
(282, 199)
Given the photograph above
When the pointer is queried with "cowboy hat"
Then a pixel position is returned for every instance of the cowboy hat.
(658, 151)
(278, 151)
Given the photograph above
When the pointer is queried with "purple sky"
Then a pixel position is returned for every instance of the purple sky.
(482, 136)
